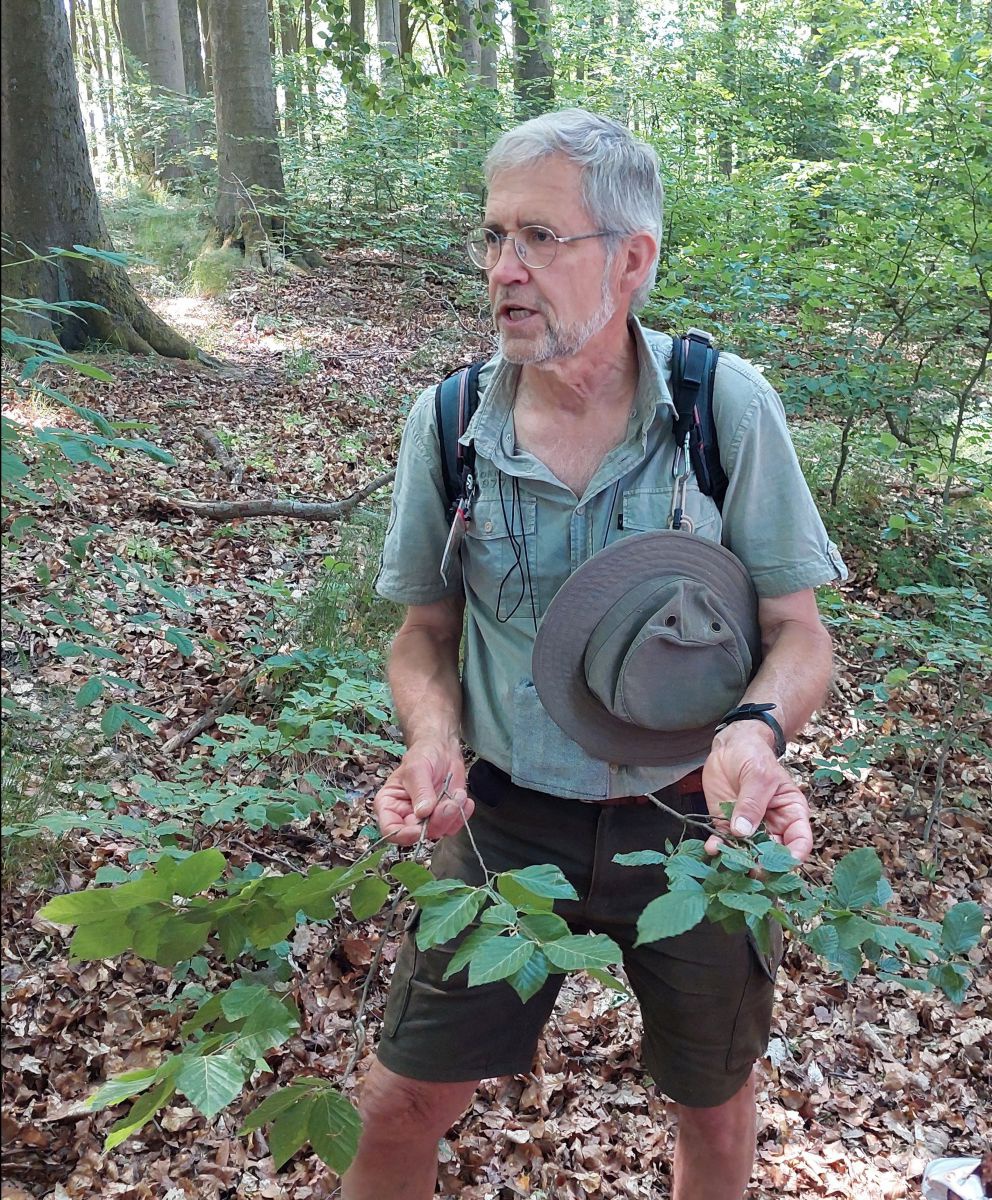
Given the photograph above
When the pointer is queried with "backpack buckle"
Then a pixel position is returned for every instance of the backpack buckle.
(700, 335)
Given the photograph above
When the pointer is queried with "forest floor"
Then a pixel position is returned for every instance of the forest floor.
(863, 1083)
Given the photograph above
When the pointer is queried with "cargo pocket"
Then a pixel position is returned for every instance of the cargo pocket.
(754, 1013)
(648, 509)
(402, 981)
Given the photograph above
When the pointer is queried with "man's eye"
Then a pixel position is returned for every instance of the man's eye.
(540, 236)
(491, 236)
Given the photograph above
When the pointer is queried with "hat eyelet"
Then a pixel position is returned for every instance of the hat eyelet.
(671, 620)
(716, 627)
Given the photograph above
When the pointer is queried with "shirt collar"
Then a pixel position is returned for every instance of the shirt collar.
(498, 386)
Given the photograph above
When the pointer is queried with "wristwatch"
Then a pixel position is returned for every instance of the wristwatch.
(756, 712)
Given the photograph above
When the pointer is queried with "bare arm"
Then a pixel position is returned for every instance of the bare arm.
(423, 676)
(742, 768)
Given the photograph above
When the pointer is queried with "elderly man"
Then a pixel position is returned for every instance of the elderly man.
(573, 453)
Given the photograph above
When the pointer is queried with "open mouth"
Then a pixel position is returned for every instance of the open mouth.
(514, 314)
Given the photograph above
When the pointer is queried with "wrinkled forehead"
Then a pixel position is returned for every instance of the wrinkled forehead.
(545, 191)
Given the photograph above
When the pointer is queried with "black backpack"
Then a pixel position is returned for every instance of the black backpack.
(694, 360)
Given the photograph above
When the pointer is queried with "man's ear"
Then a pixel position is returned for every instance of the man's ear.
(639, 253)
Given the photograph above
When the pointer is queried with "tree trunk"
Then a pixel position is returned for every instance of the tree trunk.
(131, 22)
(250, 183)
(387, 15)
(532, 72)
(115, 136)
(289, 49)
(165, 70)
(208, 74)
(49, 198)
(728, 78)
(189, 34)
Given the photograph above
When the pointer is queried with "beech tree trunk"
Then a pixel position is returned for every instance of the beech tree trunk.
(728, 77)
(189, 33)
(131, 23)
(48, 195)
(387, 14)
(164, 42)
(532, 72)
(251, 190)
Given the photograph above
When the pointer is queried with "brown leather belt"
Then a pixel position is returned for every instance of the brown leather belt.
(686, 786)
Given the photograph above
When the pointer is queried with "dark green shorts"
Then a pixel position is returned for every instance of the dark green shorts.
(705, 996)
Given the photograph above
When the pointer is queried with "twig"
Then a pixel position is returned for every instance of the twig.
(301, 510)
(684, 817)
(229, 465)
(226, 702)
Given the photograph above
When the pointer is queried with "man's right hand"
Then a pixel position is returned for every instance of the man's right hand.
(415, 793)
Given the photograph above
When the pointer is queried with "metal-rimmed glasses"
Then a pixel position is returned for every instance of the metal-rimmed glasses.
(536, 246)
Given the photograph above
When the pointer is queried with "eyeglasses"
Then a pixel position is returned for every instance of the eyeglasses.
(535, 245)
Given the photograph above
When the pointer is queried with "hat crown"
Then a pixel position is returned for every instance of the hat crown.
(667, 657)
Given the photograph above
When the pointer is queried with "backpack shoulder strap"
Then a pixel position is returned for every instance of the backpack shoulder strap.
(694, 360)
(455, 401)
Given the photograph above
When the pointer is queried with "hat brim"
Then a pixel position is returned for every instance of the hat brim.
(576, 609)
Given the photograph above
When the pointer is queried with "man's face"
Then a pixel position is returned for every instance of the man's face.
(553, 312)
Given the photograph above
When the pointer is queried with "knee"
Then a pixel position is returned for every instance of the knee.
(726, 1127)
(394, 1108)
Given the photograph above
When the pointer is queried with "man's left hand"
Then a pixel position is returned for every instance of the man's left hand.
(742, 770)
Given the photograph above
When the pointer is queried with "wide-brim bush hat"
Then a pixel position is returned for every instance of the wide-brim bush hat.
(646, 646)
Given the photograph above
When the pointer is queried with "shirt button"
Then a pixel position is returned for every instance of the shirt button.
(614, 767)
(488, 527)
(581, 509)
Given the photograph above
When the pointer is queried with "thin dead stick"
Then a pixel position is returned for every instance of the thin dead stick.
(302, 510)
(229, 464)
(683, 817)
(227, 702)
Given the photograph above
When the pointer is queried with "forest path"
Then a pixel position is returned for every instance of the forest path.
(863, 1084)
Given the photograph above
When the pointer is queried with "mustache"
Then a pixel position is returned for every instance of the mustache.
(505, 297)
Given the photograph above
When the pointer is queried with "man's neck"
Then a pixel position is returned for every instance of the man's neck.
(602, 376)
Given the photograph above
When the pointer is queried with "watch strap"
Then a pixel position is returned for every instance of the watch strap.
(756, 712)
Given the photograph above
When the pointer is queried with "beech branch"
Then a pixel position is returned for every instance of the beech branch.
(212, 443)
(301, 510)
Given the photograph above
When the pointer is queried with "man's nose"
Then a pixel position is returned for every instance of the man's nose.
(509, 269)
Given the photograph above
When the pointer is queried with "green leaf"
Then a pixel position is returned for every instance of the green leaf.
(141, 1111)
(91, 691)
(856, 876)
(952, 979)
(114, 719)
(962, 927)
(440, 922)
(608, 980)
(211, 1081)
(544, 927)
(368, 896)
(669, 915)
(271, 1107)
(99, 904)
(290, 1131)
(499, 958)
(242, 998)
(748, 902)
(776, 858)
(579, 951)
(854, 931)
(411, 875)
(170, 939)
(198, 872)
(531, 977)
(100, 939)
(542, 879)
(468, 946)
(121, 1087)
(181, 641)
(334, 1128)
(641, 858)
(502, 914)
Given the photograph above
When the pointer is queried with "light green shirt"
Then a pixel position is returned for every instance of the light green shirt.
(529, 531)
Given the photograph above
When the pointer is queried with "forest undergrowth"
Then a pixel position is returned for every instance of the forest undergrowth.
(864, 1082)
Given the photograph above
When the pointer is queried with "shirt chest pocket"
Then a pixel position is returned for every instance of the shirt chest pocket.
(649, 509)
(499, 557)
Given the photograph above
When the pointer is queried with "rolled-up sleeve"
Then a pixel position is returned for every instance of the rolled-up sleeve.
(410, 570)
(770, 520)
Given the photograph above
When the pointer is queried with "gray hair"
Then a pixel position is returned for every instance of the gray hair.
(621, 188)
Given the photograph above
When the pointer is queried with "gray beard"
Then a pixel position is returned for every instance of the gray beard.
(566, 340)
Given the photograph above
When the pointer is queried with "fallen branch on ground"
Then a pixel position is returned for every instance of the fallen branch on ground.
(224, 705)
(212, 443)
(301, 510)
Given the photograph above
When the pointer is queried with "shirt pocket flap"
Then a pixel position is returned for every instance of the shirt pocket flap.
(492, 519)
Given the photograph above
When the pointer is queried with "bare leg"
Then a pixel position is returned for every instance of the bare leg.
(402, 1122)
(714, 1152)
